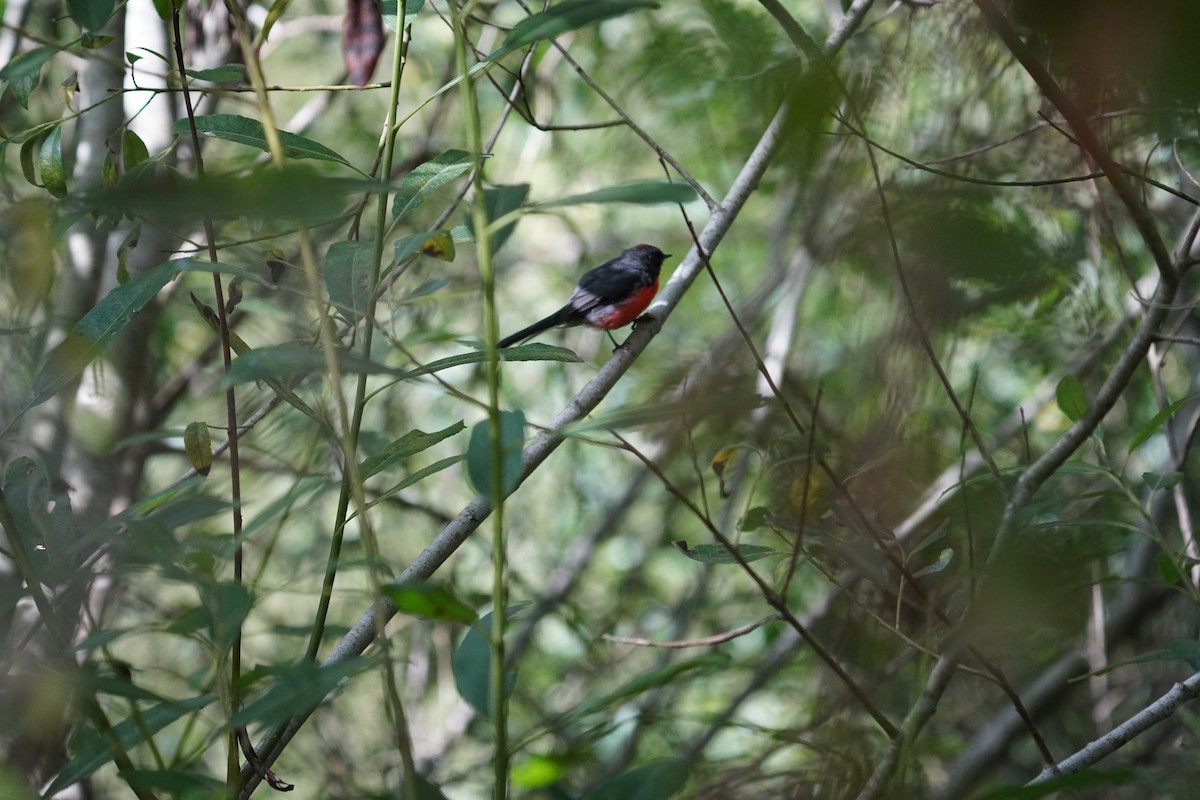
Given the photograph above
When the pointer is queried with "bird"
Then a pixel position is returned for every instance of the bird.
(608, 297)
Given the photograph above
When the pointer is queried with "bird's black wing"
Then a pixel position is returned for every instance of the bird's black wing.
(605, 284)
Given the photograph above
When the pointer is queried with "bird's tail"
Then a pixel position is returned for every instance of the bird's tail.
(533, 330)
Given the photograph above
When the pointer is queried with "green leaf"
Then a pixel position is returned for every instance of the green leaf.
(222, 74)
(936, 535)
(120, 687)
(642, 192)
(754, 518)
(294, 360)
(197, 446)
(24, 71)
(92, 41)
(226, 606)
(427, 178)
(539, 351)
(90, 751)
(417, 242)
(563, 17)
(133, 150)
(101, 638)
(294, 192)
(656, 780)
(25, 496)
(481, 468)
(414, 478)
(1157, 421)
(297, 688)
(943, 560)
(108, 171)
(91, 334)
(347, 269)
(173, 783)
(472, 665)
(424, 290)
(243, 130)
(1168, 568)
(535, 771)
(430, 601)
(391, 9)
(1185, 650)
(643, 683)
(1071, 399)
(200, 265)
(91, 14)
(30, 149)
(1154, 481)
(720, 554)
(50, 164)
(409, 444)
(502, 200)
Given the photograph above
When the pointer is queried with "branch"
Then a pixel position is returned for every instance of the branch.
(1084, 135)
(362, 633)
(705, 641)
(1161, 709)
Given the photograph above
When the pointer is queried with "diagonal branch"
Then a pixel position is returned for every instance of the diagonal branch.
(363, 632)
(1161, 709)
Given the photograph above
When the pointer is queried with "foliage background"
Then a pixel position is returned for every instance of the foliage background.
(960, 249)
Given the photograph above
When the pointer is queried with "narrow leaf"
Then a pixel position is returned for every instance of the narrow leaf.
(651, 680)
(656, 780)
(24, 71)
(720, 554)
(429, 243)
(1071, 399)
(571, 15)
(201, 265)
(502, 200)
(243, 130)
(426, 179)
(643, 193)
(943, 560)
(430, 601)
(50, 164)
(293, 360)
(1155, 481)
(31, 148)
(531, 352)
(92, 333)
(415, 478)
(409, 444)
(90, 752)
(226, 606)
(1157, 421)
(223, 74)
(347, 269)
(297, 687)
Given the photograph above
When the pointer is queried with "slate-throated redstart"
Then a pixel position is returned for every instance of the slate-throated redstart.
(608, 297)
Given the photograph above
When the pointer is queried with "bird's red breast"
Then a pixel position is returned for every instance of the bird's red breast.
(618, 315)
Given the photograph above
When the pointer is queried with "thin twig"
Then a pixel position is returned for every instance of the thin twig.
(706, 641)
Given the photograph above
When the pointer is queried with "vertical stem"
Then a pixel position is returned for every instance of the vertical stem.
(232, 759)
(483, 251)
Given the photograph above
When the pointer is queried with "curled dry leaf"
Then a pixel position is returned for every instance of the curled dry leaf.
(362, 39)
